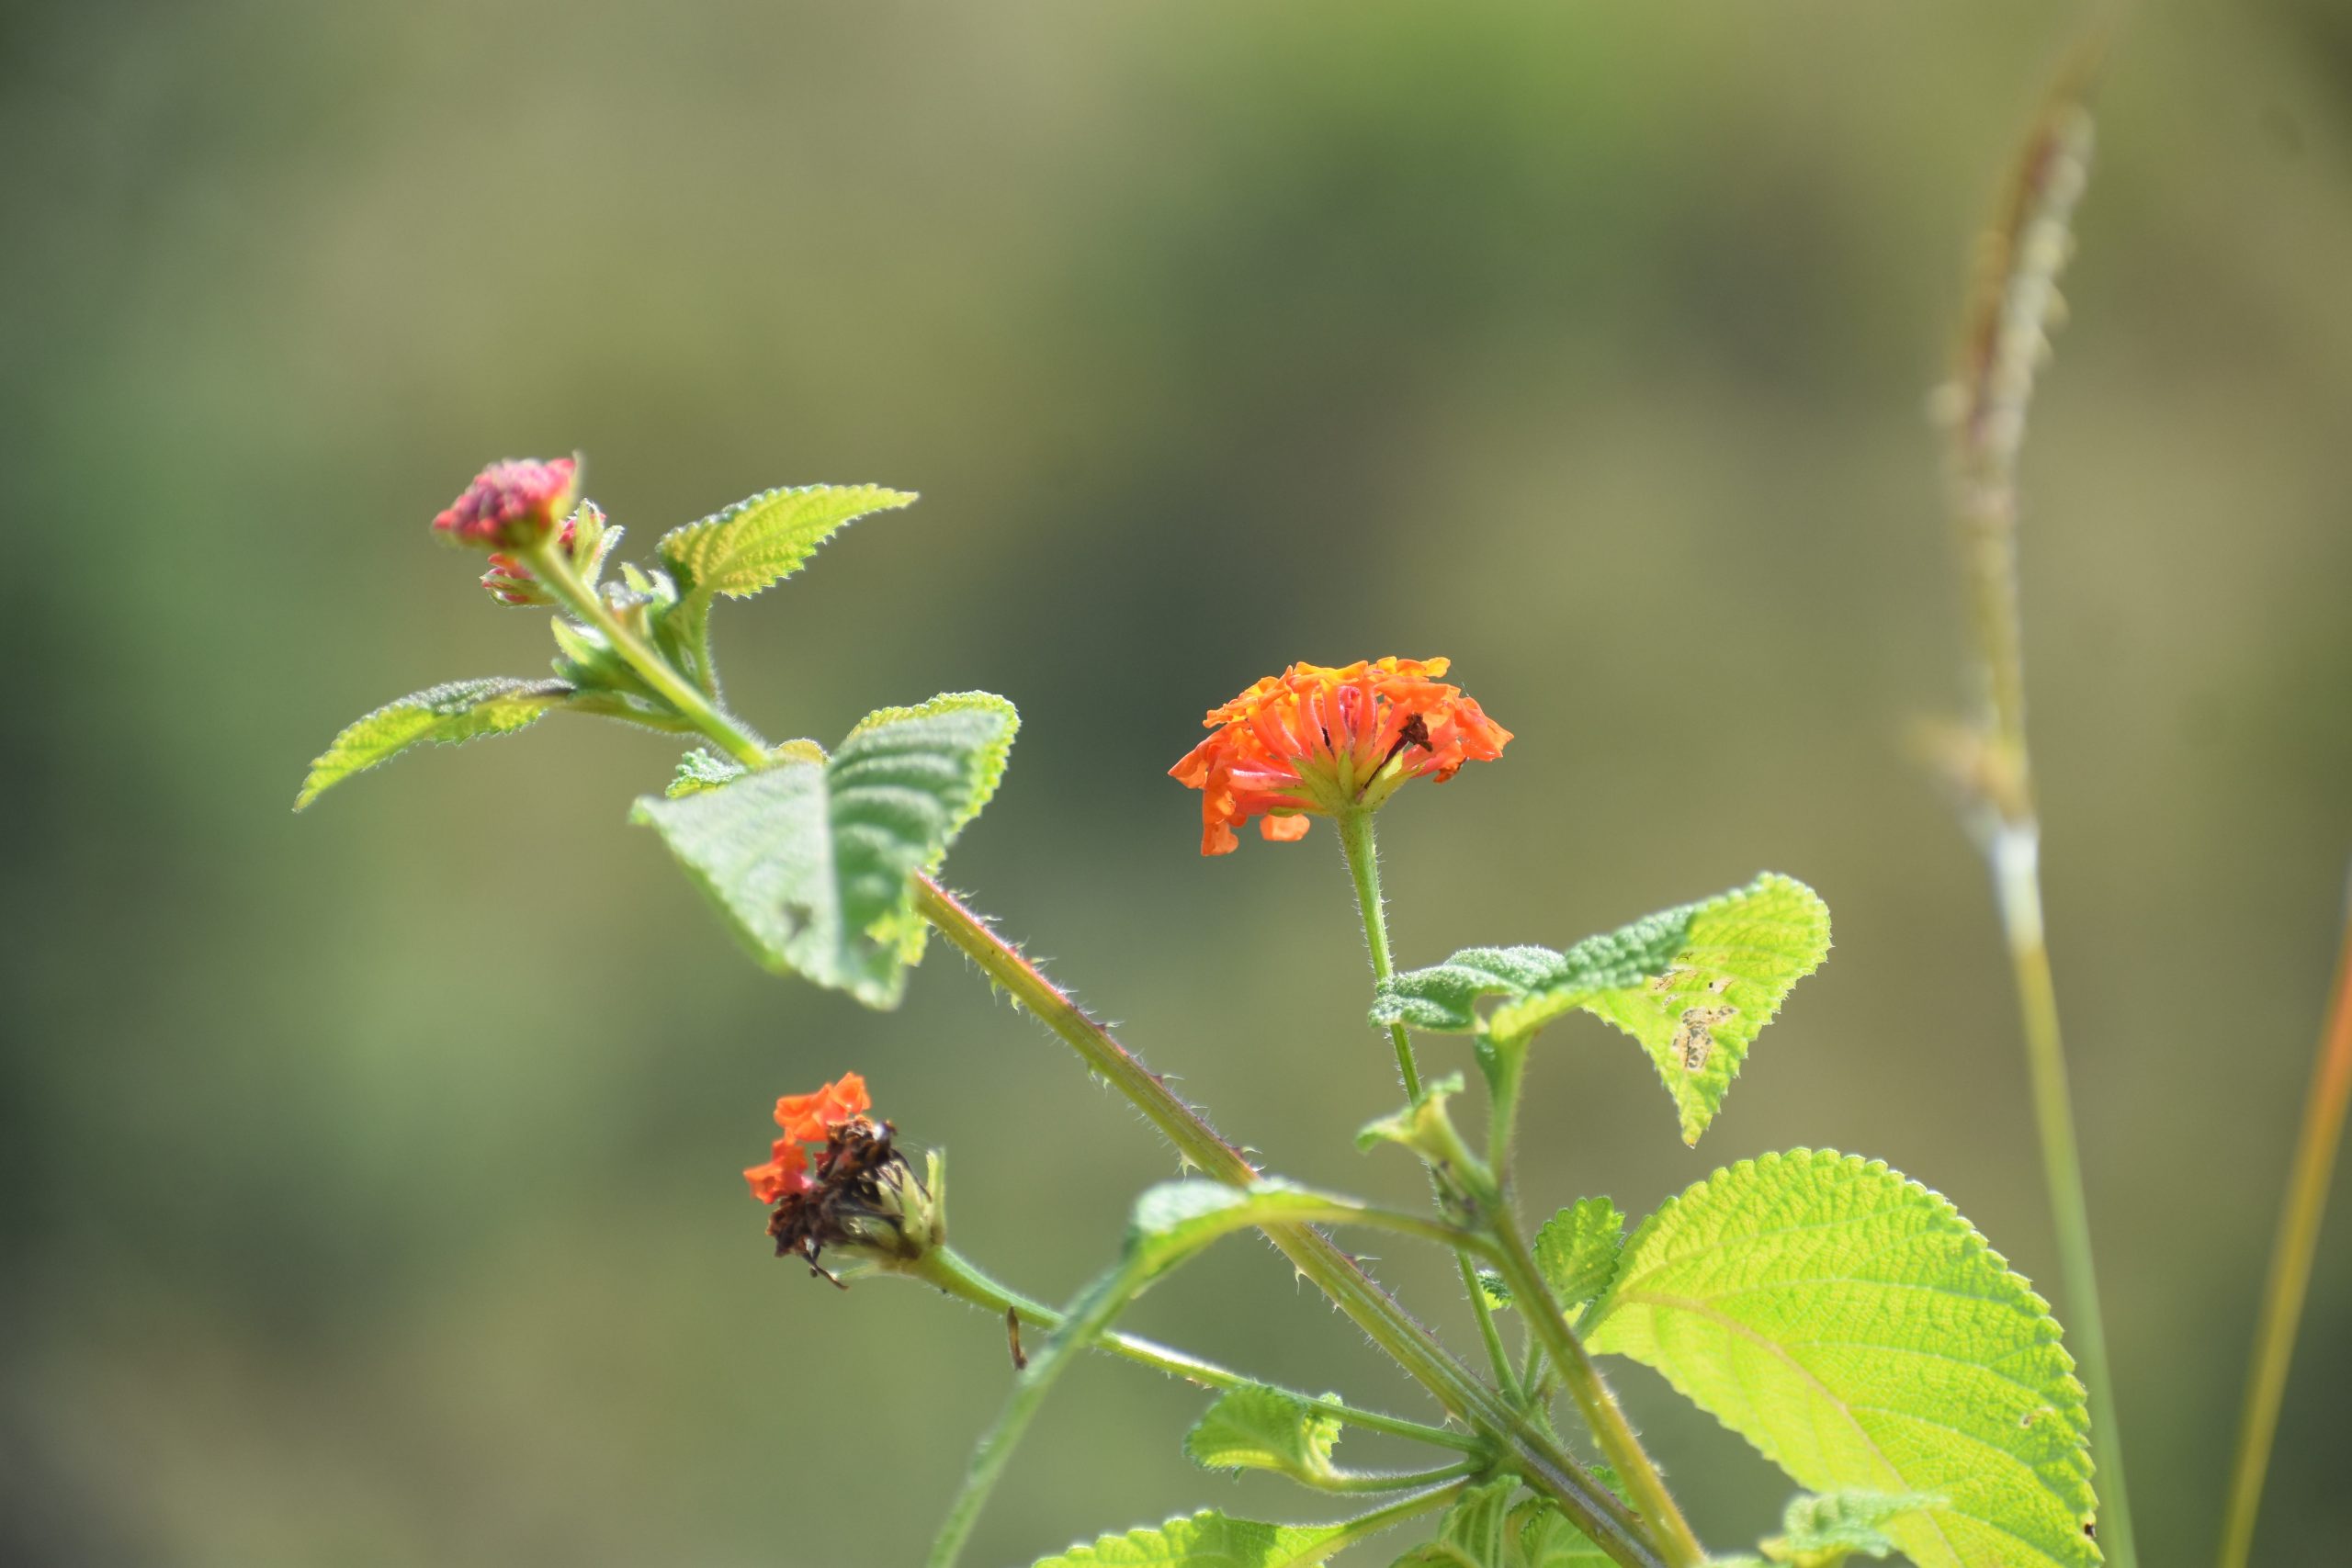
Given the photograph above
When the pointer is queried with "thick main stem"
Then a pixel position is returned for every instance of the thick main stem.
(2290, 1259)
(1362, 853)
(1594, 1402)
(1542, 1464)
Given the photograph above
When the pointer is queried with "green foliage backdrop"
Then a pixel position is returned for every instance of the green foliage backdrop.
(371, 1196)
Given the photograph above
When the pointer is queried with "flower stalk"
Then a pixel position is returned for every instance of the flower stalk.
(1362, 853)
(2004, 344)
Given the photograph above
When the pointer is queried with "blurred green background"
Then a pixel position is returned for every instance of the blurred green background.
(370, 1177)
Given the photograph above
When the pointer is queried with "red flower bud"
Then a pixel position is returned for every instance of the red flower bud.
(510, 506)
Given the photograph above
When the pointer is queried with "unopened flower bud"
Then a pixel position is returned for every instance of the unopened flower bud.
(509, 581)
(510, 506)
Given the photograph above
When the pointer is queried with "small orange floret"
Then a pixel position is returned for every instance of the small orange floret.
(811, 1117)
(1317, 741)
(787, 1172)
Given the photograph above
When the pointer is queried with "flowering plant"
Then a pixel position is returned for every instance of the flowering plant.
(1846, 1321)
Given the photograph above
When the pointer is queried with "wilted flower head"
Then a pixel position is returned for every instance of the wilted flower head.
(510, 506)
(1315, 740)
(857, 1193)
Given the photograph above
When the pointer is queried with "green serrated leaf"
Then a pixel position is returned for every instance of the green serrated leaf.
(1540, 1536)
(753, 545)
(1694, 984)
(1473, 1533)
(1257, 1427)
(1495, 1289)
(1576, 1250)
(1823, 1530)
(1862, 1334)
(812, 860)
(461, 710)
(1210, 1539)
(700, 770)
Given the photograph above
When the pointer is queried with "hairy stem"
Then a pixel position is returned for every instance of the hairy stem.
(1541, 1461)
(2290, 1259)
(553, 567)
(1599, 1408)
(1363, 852)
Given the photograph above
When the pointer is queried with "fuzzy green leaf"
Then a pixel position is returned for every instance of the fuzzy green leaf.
(753, 545)
(1257, 1427)
(461, 710)
(1210, 1539)
(1694, 984)
(1540, 1536)
(1576, 1250)
(1472, 1534)
(812, 860)
(1862, 1334)
(1823, 1531)
(701, 770)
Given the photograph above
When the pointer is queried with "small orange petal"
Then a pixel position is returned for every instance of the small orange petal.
(785, 1172)
(811, 1116)
(1281, 830)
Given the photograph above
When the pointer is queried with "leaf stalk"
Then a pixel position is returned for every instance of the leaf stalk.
(951, 1272)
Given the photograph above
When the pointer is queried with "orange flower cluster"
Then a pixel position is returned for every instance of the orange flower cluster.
(1317, 741)
(806, 1119)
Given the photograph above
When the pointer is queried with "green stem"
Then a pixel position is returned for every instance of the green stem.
(553, 567)
(1541, 1311)
(1362, 853)
(951, 1272)
(2290, 1259)
(1541, 1461)
(1357, 843)
(1506, 1071)
(2015, 854)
